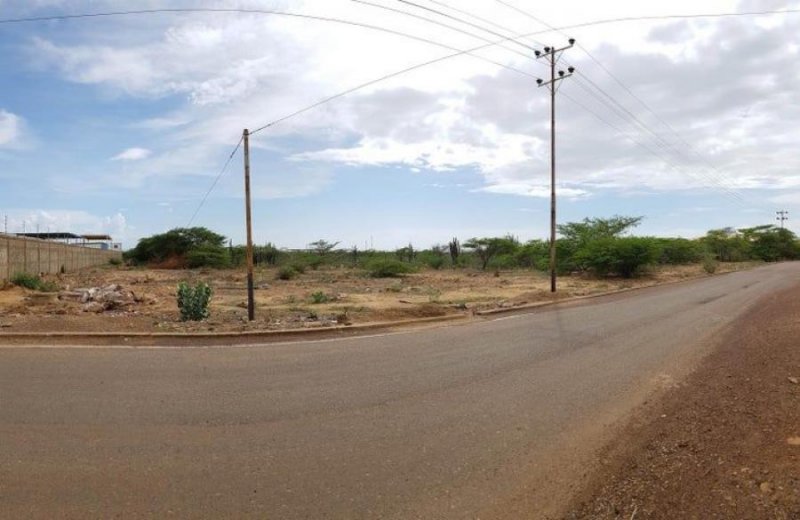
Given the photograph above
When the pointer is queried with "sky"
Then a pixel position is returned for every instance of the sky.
(121, 124)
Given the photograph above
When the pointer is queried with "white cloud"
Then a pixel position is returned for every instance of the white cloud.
(11, 130)
(132, 154)
(69, 221)
(234, 71)
(529, 190)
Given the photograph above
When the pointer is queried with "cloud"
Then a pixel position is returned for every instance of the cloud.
(70, 221)
(231, 71)
(132, 154)
(529, 190)
(12, 129)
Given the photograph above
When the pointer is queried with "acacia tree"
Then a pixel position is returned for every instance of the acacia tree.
(322, 247)
(205, 246)
(487, 248)
(580, 233)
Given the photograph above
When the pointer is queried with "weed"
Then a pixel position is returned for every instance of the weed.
(710, 264)
(33, 282)
(320, 297)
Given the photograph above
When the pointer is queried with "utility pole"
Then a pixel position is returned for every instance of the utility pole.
(783, 216)
(552, 54)
(251, 305)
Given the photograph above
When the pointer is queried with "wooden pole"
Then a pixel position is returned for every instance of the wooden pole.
(553, 171)
(251, 307)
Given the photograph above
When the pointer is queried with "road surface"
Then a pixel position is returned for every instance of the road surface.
(496, 419)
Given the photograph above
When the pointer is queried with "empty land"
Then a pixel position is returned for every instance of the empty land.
(318, 298)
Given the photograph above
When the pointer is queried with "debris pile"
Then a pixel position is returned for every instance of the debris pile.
(102, 299)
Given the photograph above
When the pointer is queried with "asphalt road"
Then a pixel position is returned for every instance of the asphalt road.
(487, 420)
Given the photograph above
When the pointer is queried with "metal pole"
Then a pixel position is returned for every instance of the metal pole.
(553, 171)
(251, 308)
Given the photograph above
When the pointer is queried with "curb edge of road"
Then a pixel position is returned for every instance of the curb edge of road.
(273, 336)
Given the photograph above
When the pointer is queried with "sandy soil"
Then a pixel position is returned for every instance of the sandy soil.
(724, 445)
(351, 297)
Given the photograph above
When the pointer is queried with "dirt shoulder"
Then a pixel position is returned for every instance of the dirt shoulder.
(724, 444)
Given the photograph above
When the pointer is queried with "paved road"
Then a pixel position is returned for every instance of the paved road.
(492, 419)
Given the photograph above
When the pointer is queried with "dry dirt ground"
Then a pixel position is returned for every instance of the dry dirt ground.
(724, 445)
(351, 297)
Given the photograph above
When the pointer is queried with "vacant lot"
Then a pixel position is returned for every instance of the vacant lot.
(321, 298)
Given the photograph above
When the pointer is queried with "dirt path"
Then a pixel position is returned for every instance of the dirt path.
(726, 443)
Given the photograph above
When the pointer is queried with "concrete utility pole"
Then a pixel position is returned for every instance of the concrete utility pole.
(552, 54)
(251, 305)
(783, 216)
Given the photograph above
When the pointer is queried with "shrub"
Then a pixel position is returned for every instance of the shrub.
(193, 301)
(387, 268)
(286, 273)
(115, 261)
(33, 282)
(435, 262)
(710, 264)
(208, 256)
(623, 256)
(299, 267)
(678, 251)
(176, 243)
(320, 297)
(28, 281)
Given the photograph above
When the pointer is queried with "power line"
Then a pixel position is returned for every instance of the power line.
(385, 77)
(438, 23)
(460, 20)
(592, 23)
(717, 176)
(216, 180)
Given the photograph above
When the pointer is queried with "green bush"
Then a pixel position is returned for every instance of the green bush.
(193, 301)
(623, 256)
(320, 297)
(28, 281)
(680, 251)
(33, 282)
(115, 261)
(208, 256)
(286, 272)
(388, 268)
(175, 244)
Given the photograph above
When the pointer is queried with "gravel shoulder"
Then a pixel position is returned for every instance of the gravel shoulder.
(725, 443)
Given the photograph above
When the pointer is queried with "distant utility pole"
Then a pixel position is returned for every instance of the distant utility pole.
(783, 216)
(251, 305)
(552, 54)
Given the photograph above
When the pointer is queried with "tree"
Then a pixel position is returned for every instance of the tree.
(727, 245)
(487, 248)
(322, 247)
(624, 256)
(770, 243)
(595, 228)
(177, 244)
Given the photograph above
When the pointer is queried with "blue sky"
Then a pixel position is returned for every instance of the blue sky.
(120, 125)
